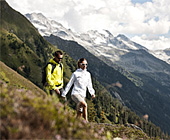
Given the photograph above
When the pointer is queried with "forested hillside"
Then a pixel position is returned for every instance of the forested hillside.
(26, 51)
(141, 100)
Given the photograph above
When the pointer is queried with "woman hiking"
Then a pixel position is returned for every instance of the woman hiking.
(81, 79)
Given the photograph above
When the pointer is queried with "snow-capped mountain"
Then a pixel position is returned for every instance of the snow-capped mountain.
(111, 49)
(146, 71)
(162, 54)
(47, 27)
(101, 43)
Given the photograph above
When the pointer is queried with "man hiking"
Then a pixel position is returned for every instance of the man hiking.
(54, 75)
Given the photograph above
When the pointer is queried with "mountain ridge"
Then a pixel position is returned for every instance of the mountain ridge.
(95, 43)
(67, 34)
(27, 51)
(131, 95)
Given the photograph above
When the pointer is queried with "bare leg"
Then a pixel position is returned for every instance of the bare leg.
(79, 114)
(85, 110)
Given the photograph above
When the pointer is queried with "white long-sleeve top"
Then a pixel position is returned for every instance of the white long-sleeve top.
(81, 80)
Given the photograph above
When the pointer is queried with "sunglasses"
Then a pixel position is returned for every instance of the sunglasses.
(60, 58)
(83, 64)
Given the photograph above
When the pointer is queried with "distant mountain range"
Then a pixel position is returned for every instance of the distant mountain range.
(150, 74)
(26, 51)
(148, 98)
(118, 52)
(101, 43)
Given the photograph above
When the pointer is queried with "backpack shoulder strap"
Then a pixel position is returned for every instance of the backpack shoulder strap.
(61, 66)
(53, 66)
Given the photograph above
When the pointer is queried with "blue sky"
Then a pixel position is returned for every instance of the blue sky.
(146, 22)
(140, 1)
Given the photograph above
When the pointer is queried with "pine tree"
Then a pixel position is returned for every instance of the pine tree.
(92, 111)
(102, 117)
(125, 117)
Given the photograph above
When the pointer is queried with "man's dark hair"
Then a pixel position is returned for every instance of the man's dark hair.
(58, 53)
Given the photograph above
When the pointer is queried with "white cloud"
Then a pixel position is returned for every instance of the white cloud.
(153, 43)
(117, 16)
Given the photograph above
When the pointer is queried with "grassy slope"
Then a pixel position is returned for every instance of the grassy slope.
(25, 51)
(14, 79)
(26, 112)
